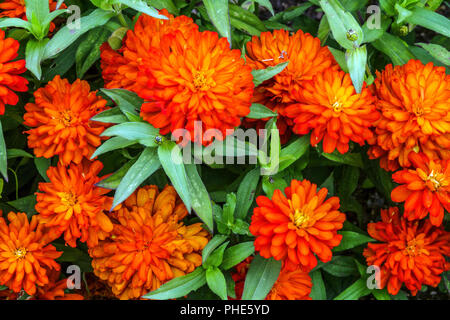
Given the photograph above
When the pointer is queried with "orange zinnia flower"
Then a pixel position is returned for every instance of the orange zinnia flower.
(294, 227)
(330, 106)
(414, 101)
(120, 69)
(71, 203)
(410, 252)
(426, 188)
(290, 285)
(306, 58)
(149, 244)
(25, 253)
(16, 9)
(9, 70)
(60, 121)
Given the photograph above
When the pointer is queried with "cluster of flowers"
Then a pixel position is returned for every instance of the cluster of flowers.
(186, 75)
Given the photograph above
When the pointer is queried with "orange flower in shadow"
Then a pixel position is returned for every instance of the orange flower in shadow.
(331, 108)
(149, 244)
(60, 121)
(306, 58)
(290, 285)
(72, 205)
(297, 226)
(25, 253)
(10, 80)
(414, 102)
(425, 188)
(410, 252)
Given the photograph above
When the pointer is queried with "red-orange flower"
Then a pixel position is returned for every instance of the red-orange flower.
(290, 285)
(120, 68)
(424, 189)
(331, 108)
(16, 9)
(414, 101)
(297, 226)
(60, 121)
(10, 80)
(306, 58)
(71, 203)
(149, 244)
(411, 252)
(25, 253)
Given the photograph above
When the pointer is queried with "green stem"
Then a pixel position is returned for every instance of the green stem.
(17, 182)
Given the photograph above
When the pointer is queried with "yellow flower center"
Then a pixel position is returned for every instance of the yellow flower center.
(68, 199)
(337, 107)
(300, 219)
(20, 253)
(413, 248)
(418, 111)
(202, 81)
(66, 118)
(437, 180)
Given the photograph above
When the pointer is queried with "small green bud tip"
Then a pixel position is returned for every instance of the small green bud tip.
(159, 139)
(404, 31)
(352, 35)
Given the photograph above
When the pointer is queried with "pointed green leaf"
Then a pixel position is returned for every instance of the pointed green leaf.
(236, 254)
(216, 282)
(218, 13)
(261, 277)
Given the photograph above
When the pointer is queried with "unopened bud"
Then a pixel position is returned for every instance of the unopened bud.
(352, 35)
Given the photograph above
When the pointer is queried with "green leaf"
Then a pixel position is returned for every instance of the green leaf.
(261, 277)
(42, 165)
(228, 209)
(395, 48)
(126, 100)
(430, 20)
(33, 56)
(291, 13)
(143, 168)
(381, 294)
(89, 50)
(438, 52)
(351, 239)
(18, 153)
(341, 267)
(164, 4)
(15, 23)
(216, 241)
(357, 290)
(356, 62)
(142, 132)
(66, 36)
(318, 290)
(339, 56)
(112, 182)
(403, 13)
(37, 8)
(258, 111)
(236, 254)
(216, 257)
(341, 23)
(245, 21)
(216, 282)
(141, 6)
(266, 4)
(270, 184)
(294, 151)
(261, 75)
(25, 204)
(246, 193)
(112, 144)
(113, 115)
(353, 159)
(179, 287)
(3, 156)
(349, 181)
(200, 201)
(218, 12)
(172, 162)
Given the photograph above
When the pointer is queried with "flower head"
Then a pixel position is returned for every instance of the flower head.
(149, 244)
(410, 252)
(25, 253)
(425, 188)
(306, 58)
(71, 203)
(60, 121)
(290, 285)
(331, 108)
(10, 80)
(297, 226)
(120, 68)
(414, 102)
